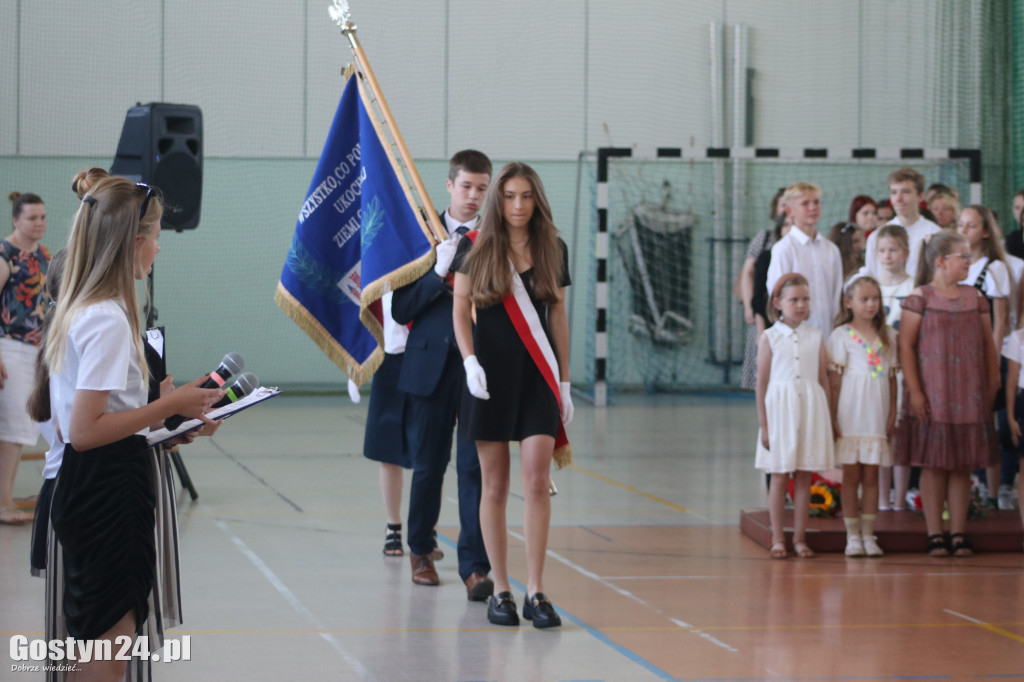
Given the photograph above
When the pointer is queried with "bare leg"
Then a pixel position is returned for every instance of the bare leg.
(869, 482)
(933, 495)
(390, 478)
(535, 469)
(884, 486)
(901, 480)
(992, 473)
(106, 671)
(10, 457)
(801, 511)
(494, 483)
(1020, 491)
(958, 492)
(777, 506)
(851, 487)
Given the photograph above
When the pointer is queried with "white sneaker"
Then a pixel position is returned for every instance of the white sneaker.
(854, 545)
(871, 547)
(1006, 498)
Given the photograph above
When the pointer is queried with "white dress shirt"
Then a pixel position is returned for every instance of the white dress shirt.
(817, 259)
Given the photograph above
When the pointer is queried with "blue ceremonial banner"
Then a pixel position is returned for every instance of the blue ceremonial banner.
(359, 235)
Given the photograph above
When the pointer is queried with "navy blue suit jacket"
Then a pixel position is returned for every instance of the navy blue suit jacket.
(427, 304)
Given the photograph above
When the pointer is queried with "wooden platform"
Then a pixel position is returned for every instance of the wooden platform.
(900, 531)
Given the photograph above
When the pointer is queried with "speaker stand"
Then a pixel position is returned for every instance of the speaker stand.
(173, 452)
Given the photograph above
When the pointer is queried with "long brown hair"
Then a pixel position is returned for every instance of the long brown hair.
(488, 262)
(992, 246)
(39, 400)
(845, 315)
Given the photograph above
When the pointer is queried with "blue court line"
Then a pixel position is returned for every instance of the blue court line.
(593, 632)
(1012, 676)
(594, 532)
(601, 637)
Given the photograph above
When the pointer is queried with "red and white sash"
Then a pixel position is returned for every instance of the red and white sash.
(527, 324)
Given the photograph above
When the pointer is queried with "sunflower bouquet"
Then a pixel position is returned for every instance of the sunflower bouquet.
(826, 500)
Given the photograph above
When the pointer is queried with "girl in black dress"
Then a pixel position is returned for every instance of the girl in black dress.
(517, 370)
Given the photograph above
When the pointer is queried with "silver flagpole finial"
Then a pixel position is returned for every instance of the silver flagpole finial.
(340, 12)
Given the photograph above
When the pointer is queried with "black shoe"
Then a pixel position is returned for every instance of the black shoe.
(501, 609)
(538, 609)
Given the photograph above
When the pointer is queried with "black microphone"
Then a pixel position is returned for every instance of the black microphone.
(231, 365)
(243, 386)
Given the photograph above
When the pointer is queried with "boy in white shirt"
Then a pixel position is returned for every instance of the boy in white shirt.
(906, 191)
(805, 251)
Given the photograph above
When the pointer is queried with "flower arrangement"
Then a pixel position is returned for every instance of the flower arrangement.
(826, 500)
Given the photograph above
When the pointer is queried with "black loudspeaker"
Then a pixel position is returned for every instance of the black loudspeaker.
(162, 146)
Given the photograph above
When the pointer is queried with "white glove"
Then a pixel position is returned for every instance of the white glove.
(476, 380)
(564, 392)
(446, 254)
(353, 392)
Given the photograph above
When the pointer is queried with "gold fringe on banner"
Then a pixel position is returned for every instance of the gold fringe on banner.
(360, 374)
(563, 456)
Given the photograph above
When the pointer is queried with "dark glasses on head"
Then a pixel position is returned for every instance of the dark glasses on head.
(145, 202)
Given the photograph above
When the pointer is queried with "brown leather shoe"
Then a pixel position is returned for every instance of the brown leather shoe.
(478, 586)
(423, 572)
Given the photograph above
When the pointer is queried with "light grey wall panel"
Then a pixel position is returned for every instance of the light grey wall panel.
(405, 44)
(649, 73)
(242, 63)
(81, 68)
(901, 74)
(8, 78)
(515, 78)
(805, 58)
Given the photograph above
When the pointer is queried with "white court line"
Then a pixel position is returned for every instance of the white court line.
(627, 594)
(294, 601)
(710, 638)
(593, 576)
(960, 615)
(815, 575)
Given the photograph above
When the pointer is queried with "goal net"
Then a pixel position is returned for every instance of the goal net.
(678, 229)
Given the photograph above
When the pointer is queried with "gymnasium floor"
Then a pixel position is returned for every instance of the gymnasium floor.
(283, 577)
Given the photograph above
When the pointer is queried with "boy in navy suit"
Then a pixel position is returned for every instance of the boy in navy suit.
(434, 379)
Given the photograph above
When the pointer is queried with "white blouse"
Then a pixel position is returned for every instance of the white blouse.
(100, 356)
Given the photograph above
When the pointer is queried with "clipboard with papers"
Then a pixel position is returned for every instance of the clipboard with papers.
(258, 396)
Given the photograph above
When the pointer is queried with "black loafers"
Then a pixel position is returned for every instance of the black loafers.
(538, 609)
(501, 609)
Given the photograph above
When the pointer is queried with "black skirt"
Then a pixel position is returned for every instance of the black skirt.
(521, 403)
(103, 515)
(384, 438)
(41, 526)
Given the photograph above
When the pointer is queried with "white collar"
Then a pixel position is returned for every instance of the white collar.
(802, 236)
(451, 224)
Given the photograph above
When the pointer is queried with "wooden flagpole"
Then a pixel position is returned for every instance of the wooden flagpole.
(339, 12)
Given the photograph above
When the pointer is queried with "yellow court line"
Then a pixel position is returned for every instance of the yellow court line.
(849, 626)
(629, 488)
(1004, 633)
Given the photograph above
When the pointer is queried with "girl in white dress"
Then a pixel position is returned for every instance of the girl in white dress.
(862, 374)
(792, 409)
(893, 250)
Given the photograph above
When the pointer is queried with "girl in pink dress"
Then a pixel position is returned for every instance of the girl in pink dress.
(951, 374)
